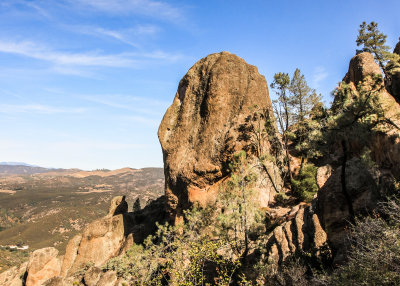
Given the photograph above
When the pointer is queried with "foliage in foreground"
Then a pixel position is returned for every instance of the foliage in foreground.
(305, 184)
(374, 257)
(209, 249)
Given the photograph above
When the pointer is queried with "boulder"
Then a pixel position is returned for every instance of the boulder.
(206, 124)
(361, 66)
(100, 240)
(118, 205)
(108, 278)
(92, 276)
(13, 276)
(43, 264)
(385, 144)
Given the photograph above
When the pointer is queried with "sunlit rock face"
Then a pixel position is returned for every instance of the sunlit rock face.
(202, 129)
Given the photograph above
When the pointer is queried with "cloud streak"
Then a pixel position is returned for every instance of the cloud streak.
(319, 75)
(89, 59)
(37, 108)
(32, 50)
(155, 9)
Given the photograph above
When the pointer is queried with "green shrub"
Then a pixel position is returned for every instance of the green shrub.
(305, 185)
(374, 257)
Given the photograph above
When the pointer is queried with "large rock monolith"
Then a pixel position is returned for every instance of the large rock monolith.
(206, 124)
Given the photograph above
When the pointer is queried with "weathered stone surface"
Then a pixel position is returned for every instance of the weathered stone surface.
(55, 281)
(334, 208)
(43, 264)
(203, 128)
(108, 278)
(303, 232)
(323, 174)
(92, 276)
(385, 145)
(100, 241)
(395, 81)
(361, 66)
(111, 235)
(118, 205)
(71, 252)
(12, 277)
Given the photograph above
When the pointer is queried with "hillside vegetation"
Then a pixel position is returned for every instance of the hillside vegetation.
(48, 209)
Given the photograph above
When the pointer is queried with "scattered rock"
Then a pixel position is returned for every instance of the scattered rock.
(13, 276)
(108, 278)
(43, 264)
(100, 241)
(92, 276)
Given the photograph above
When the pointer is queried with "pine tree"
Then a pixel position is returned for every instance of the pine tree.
(306, 127)
(136, 205)
(374, 42)
(241, 215)
(282, 110)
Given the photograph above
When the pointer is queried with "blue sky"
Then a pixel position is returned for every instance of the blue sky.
(85, 83)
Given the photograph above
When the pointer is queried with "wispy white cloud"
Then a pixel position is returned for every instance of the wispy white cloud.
(155, 9)
(37, 108)
(33, 50)
(89, 59)
(127, 35)
(136, 104)
(319, 75)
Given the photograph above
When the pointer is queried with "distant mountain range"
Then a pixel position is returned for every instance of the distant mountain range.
(17, 164)
(19, 168)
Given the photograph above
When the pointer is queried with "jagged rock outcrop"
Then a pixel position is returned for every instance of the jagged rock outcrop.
(361, 66)
(13, 276)
(344, 194)
(336, 209)
(385, 145)
(43, 264)
(302, 232)
(100, 240)
(356, 184)
(205, 126)
(395, 80)
(118, 205)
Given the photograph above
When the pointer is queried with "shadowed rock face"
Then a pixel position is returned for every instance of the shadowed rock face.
(201, 129)
(385, 146)
(364, 185)
(395, 84)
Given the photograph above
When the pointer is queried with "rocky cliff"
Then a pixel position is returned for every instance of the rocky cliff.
(395, 84)
(101, 240)
(206, 124)
(212, 116)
